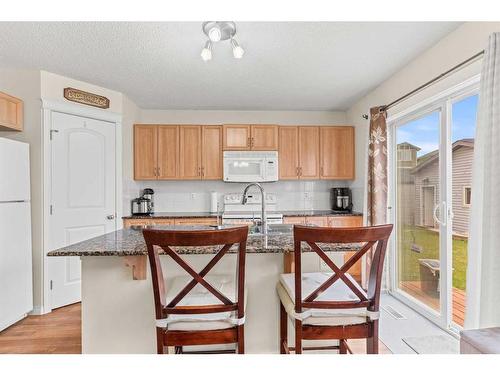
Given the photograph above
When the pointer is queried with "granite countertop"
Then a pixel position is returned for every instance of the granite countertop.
(131, 242)
(170, 215)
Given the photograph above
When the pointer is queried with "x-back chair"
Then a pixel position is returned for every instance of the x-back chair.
(327, 306)
(199, 313)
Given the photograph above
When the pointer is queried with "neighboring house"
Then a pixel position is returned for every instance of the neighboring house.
(426, 179)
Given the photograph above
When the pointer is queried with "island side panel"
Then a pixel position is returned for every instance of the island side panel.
(118, 311)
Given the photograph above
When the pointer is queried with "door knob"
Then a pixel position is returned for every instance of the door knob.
(110, 217)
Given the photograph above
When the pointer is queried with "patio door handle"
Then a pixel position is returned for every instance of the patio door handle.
(434, 214)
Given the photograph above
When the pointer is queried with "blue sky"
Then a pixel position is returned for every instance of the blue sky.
(424, 132)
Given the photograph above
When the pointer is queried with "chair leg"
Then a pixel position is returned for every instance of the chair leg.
(241, 339)
(372, 342)
(159, 341)
(298, 336)
(342, 347)
(283, 329)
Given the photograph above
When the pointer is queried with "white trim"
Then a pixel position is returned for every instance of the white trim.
(81, 110)
(464, 201)
(467, 84)
(48, 107)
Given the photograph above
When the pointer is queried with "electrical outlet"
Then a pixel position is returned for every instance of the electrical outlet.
(193, 196)
(307, 195)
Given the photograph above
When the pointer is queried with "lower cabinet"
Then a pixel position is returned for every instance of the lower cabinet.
(127, 223)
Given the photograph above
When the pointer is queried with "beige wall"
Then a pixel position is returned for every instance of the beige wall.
(52, 86)
(457, 46)
(25, 84)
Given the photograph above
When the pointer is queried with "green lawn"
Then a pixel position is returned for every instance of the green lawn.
(428, 241)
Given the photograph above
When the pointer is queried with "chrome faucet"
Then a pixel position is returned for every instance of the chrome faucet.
(263, 203)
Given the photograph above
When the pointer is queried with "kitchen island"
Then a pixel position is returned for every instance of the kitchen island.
(117, 297)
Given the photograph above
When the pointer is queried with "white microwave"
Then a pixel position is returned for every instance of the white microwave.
(250, 166)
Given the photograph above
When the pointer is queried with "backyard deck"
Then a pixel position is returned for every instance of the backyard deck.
(458, 298)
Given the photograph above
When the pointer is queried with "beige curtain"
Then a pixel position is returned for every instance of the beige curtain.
(377, 173)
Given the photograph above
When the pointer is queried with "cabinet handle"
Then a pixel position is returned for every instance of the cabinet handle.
(252, 141)
(249, 142)
(297, 171)
(321, 171)
(300, 171)
(158, 171)
(202, 171)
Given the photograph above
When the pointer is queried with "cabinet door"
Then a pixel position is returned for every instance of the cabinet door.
(337, 152)
(345, 221)
(264, 137)
(320, 221)
(288, 153)
(196, 221)
(349, 221)
(190, 152)
(127, 223)
(294, 220)
(163, 222)
(145, 152)
(168, 152)
(237, 137)
(11, 112)
(211, 151)
(309, 152)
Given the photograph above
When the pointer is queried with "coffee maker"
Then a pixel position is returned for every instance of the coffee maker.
(143, 205)
(341, 200)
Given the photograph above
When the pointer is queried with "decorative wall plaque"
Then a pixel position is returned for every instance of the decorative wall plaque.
(87, 98)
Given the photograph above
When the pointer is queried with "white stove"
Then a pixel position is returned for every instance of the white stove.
(237, 213)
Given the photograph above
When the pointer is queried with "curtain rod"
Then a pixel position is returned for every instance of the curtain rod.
(427, 84)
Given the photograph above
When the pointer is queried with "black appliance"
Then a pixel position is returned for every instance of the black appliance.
(341, 199)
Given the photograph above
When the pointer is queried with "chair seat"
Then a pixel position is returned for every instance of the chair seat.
(336, 292)
(200, 296)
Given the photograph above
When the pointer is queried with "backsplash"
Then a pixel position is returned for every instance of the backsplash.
(192, 196)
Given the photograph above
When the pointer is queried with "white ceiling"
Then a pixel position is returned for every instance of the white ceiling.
(287, 65)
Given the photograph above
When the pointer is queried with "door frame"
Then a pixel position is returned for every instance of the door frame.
(440, 102)
(50, 106)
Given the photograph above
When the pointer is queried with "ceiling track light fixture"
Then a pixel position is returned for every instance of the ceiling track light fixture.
(218, 31)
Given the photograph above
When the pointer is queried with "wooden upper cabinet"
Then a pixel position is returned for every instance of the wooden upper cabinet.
(168, 152)
(288, 153)
(236, 137)
(145, 152)
(11, 112)
(190, 152)
(250, 137)
(264, 137)
(337, 152)
(309, 152)
(211, 153)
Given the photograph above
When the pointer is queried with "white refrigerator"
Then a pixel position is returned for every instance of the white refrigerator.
(16, 281)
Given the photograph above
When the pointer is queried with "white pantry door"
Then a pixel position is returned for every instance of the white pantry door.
(82, 195)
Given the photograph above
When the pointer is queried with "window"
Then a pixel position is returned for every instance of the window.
(467, 195)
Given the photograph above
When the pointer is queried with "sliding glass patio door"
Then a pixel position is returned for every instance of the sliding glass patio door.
(431, 173)
(420, 201)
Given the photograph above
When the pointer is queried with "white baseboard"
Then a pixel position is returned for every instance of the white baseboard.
(39, 310)
(7, 323)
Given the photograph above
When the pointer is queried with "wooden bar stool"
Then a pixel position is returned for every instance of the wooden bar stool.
(335, 306)
(192, 314)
